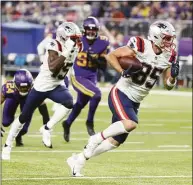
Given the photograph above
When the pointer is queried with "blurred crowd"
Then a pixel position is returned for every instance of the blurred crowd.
(44, 12)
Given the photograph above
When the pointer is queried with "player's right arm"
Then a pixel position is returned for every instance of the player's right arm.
(129, 50)
(113, 56)
(56, 62)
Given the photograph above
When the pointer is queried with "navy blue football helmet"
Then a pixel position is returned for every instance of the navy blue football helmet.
(91, 27)
(23, 80)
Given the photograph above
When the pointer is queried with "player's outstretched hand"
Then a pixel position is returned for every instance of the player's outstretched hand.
(175, 69)
(130, 72)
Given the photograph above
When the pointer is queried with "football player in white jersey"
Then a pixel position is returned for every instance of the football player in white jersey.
(157, 55)
(59, 57)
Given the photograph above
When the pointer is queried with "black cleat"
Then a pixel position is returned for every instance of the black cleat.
(19, 141)
(2, 131)
(90, 128)
(66, 128)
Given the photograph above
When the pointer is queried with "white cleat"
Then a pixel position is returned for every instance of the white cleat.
(46, 136)
(91, 146)
(6, 152)
(76, 164)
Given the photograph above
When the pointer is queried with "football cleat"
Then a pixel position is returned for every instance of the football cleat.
(90, 128)
(6, 152)
(91, 146)
(19, 141)
(66, 128)
(76, 165)
(46, 137)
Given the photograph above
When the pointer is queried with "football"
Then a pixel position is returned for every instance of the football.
(126, 62)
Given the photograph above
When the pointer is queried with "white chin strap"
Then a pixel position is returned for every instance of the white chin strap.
(23, 94)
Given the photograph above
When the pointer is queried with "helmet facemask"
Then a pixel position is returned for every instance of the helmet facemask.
(91, 32)
(23, 81)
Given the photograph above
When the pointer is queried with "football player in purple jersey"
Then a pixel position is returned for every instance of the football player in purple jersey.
(84, 75)
(13, 94)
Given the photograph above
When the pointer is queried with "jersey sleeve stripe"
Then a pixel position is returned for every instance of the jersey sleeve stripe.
(140, 44)
(59, 46)
(117, 104)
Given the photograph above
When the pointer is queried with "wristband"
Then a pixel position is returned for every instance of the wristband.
(171, 84)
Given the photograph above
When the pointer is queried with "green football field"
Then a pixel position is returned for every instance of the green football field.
(158, 152)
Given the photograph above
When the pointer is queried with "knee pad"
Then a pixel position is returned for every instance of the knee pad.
(6, 123)
(97, 96)
(121, 138)
(68, 104)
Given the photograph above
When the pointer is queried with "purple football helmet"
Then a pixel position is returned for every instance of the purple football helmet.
(91, 27)
(23, 81)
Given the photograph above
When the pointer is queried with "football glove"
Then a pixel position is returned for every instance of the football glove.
(175, 68)
(130, 72)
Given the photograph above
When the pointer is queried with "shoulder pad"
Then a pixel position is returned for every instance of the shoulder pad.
(137, 44)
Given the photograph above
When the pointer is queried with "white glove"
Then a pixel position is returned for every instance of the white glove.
(67, 47)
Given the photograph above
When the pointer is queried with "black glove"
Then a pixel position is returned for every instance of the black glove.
(130, 72)
(102, 63)
(175, 69)
(91, 59)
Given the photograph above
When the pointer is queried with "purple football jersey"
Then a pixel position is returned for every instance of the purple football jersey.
(82, 66)
(10, 91)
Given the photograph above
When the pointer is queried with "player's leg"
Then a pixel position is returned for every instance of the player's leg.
(9, 109)
(94, 101)
(33, 100)
(43, 109)
(126, 112)
(82, 86)
(62, 96)
(24, 130)
(77, 162)
(81, 101)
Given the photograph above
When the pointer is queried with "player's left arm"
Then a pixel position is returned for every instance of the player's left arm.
(170, 76)
(43, 109)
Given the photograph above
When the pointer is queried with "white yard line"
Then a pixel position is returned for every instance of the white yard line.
(113, 151)
(103, 177)
(173, 146)
(187, 127)
(133, 133)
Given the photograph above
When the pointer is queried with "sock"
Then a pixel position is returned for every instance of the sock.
(60, 113)
(114, 129)
(44, 112)
(103, 147)
(81, 157)
(14, 130)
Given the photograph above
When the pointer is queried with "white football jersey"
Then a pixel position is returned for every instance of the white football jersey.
(45, 80)
(138, 86)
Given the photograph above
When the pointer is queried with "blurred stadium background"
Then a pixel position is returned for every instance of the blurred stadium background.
(25, 24)
(159, 152)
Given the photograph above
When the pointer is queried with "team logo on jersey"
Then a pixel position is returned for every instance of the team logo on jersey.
(131, 45)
